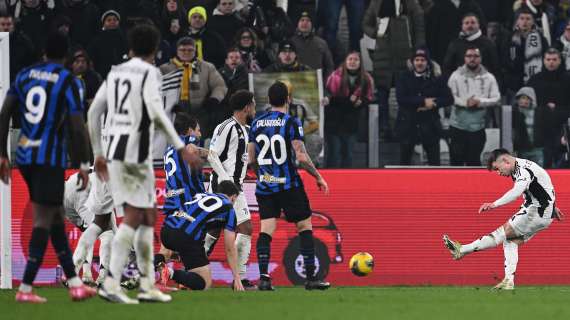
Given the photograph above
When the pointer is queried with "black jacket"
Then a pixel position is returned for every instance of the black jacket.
(214, 49)
(226, 26)
(107, 49)
(456, 51)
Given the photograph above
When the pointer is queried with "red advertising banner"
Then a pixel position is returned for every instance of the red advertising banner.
(398, 216)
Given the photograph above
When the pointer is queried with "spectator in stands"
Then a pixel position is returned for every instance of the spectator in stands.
(235, 76)
(470, 36)
(330, 11)
(253, 55)
(22, 51)
(173, 21)
(79, 63)
(522, 56)
(276, 26)
(295, 9)
(34, 20)
(563, 45)
(420, 92)
(287, 60)
(312, 49)
(474, 89)
(109, 47)
(496, 12)
(524, 120)
(397, 30)
(226, 21)
(551, 86)
(209, 44)
(544, 16)
(349, 90)
(62, 24)
(84, 18)
(195, 84)
(443, 23)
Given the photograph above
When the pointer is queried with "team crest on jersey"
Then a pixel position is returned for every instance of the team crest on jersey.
(244, 157)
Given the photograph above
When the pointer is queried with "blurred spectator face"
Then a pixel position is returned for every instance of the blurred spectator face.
(186, 53)
(197, 21)
(524, 102)
(305, 25)
(79, 65)
(111, 22)
(195, 132)
(566, 31)
(353, 62)
(246, 40)
(420, 64)
(287, 57)
(6, 24)
(470, 25)
(551, 61)
(536, 2)
(233, 59)
(174, 26)
(525, 22)
(64, 29)
(226, 7)
(473, 59)
(31, 3)
(171, 5)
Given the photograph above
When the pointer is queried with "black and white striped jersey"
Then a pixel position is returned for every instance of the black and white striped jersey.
(229, 141)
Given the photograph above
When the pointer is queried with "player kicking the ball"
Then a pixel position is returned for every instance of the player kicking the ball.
(536, 213)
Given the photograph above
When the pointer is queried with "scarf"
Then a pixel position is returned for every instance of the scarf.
(545, 26)
(188, 69)
(197, 36)
(565, 51)
(532, 55)
(470, 37)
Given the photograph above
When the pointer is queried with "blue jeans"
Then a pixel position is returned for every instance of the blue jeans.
(339, 150)
(355, 13)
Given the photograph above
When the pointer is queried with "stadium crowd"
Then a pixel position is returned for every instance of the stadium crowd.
(456, 59)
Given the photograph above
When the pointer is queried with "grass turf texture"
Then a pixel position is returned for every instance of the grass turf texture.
(295, 303)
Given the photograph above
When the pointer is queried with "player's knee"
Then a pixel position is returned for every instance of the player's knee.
(304, 225)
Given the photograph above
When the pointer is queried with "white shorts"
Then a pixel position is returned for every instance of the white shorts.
(527, 222)
(241, 209)
(133, 184)
(99, 201)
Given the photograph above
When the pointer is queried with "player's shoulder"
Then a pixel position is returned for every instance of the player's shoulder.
(225, 125)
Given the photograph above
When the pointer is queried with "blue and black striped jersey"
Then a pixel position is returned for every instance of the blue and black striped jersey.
(272, 134)
(47, 93)
(205, 212)
(182, 183)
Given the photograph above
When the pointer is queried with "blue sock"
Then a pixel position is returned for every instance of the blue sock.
(38, 244)
(263, 254)
(62, 250)
(307, 250)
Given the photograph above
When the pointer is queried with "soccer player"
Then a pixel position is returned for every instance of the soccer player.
(276, 142)
(184, 232)
(536, 213)
(228, 158)
(49, 102)
(131, 97)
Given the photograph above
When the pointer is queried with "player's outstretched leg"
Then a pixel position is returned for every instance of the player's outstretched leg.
(85, 244)
(189, 279)
(511, 251)
(307, 250)
(104, 255)
(263, 255)
(87, 275)
(491, 240)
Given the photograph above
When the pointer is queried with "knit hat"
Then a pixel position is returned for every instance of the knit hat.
(110, 13)
(305, 14)
(199, 10)
(421, 52)
(287, 46)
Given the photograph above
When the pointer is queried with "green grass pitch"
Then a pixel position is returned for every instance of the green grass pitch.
(537, 303)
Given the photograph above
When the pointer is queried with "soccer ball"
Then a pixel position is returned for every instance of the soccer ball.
(361, 264)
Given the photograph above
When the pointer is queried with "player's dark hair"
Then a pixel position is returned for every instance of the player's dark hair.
(240, 99)
(184, 121)
(143, 39)
(278, 94)
(56, 46)
(228, 188)
(495, 154)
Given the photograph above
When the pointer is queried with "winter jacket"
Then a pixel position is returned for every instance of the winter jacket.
(213, 46)
(22, 53)
(544, 17)
(236, 79)
(524, 120)
(313, 51)
(34, 22)
(411, 91)
(563, 45)
(394, 48)
(108, 48)
(225, 25)
(85, 20)
(465, 84)
(522, 58)
(455, 56)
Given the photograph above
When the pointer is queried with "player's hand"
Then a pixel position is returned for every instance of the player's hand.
(322, 185)
(82, 180)
(191, 155)
(100, 166)
(486, 207)
(558, 214)
(238, 286)
(5, 170)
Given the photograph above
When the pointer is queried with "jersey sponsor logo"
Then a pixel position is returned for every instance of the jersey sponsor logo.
(183, 215)
(173, 193)
(272, 179)
(270, 123)
(24, 142)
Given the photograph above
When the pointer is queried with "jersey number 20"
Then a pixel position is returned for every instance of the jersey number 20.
(277, 146)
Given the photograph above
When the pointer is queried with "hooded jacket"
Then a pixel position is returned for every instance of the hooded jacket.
(524, 121)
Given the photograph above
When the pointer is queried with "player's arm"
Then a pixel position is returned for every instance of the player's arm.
(8, 109)
(306, 163)
(96, 110)
(252, 159)
(231, 254)
(217, 147)
(521, 184)
(79, 135)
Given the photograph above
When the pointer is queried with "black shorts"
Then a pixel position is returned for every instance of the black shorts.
(293, 202)
(46, 184)
(191, 252)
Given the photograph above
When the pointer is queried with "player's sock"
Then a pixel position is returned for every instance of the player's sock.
(63, 252)
(120, 250)
(191, 280)
(105, 247)
(307, 250)
(87, 264)
(85, 244)
(491, 240)
(143, 249)
(263, 253)
(37, 248)
(511, 251)
(243, 245)
(209, 243)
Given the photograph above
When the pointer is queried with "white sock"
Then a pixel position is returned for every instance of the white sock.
(106, 239)
(74, 282)
(25, 288)
(511, 251)
(209, 241)
(85, 244)
(88, 262)
(121, 248)
(243, 245)
(143, 249)
(491, 240)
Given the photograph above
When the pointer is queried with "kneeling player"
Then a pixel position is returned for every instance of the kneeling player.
(184, 232)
